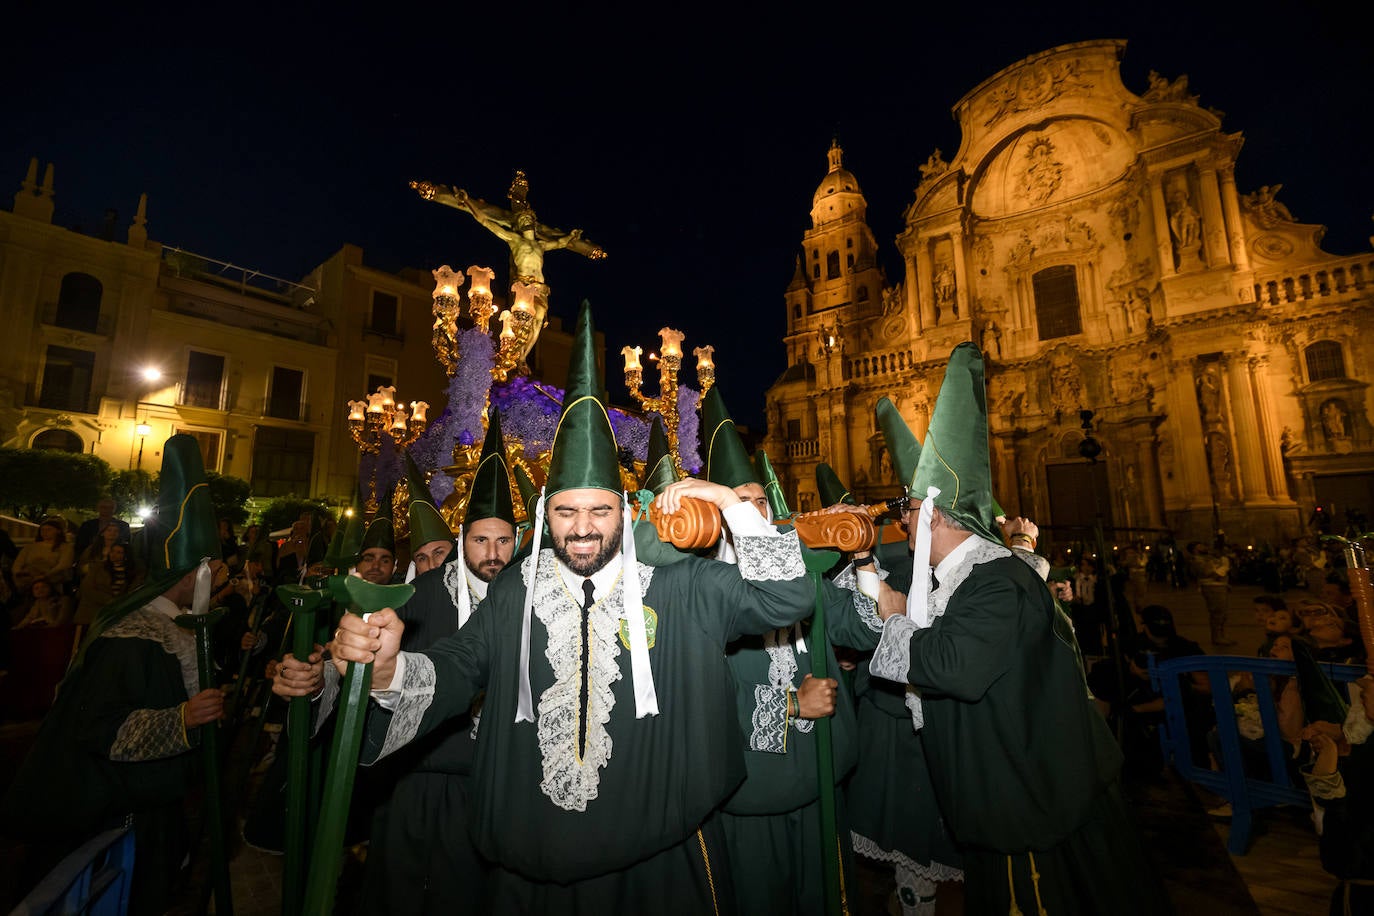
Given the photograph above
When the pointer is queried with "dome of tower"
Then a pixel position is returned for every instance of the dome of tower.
(839, 192)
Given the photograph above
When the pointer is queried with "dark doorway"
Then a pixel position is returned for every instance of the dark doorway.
(1072, 487)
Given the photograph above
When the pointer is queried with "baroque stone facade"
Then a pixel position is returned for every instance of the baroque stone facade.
(1094, 243)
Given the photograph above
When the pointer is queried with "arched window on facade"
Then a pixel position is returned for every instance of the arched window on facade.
(1324, 361)
(61, 440)
(78, 303)
(832, 265)
(1056, 302)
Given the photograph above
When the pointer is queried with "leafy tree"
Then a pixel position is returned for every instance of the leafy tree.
(132, 489)
(33, 482)
(281, 512)
(229, 494)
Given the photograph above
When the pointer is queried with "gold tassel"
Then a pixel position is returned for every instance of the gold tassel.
(1011, 889)
(1035, 882)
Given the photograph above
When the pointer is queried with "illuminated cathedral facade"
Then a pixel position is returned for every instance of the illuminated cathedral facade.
(1094, 243)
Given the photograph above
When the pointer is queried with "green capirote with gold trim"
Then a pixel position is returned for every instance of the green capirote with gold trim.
(954, 456)
(772, 488)
(658, 461)
(584, 453)
(727, 460)
(426, 524)
(489, 496)
(832, 491)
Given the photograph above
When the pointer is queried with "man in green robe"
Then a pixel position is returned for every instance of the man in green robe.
(893, 811)
(773, 821)
(1023, 767)
(116, 747)
(603, 750)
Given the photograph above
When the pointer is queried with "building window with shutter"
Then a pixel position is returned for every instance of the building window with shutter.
(1056, 302)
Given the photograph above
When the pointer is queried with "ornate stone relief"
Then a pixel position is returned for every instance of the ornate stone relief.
(934, 167)
(1036, 85)
(894, 299)
(1053, 236)
(1124, 213)
(1273, 246)
(1161, 90)
(1066, 384)
(1216, 429)
(1043, 173)
(1264, 209)
(982, 254)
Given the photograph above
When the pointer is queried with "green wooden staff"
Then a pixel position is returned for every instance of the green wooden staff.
(817, 562)
(364, 598)
(304, 602)
(200, 620)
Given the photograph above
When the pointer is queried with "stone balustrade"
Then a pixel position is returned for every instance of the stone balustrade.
(1329, 280)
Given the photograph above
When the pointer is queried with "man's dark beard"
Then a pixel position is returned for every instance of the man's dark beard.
(589, 565)
(485, 570)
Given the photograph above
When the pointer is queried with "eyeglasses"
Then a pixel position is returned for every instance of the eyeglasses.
(1315, 611)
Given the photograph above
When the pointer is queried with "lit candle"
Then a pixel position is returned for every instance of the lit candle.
(374, 403)
(388, 393)
(446, 281)
(399, 419)
(481, 280)
(355, 410)
(417, 411)
(672, 342)
(631, 355)
(507, 333)
(524, 297)
(703, 355)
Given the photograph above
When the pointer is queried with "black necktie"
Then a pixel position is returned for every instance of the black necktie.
(588, 588)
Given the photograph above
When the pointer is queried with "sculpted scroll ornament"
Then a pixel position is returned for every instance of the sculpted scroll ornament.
(1161, 90)
(1036, 85)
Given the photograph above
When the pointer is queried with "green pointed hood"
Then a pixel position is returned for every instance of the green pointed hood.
(352, 543)
(658, 464)
(1321, 701)
(381, 533)
(772, 488)
(174, 540)
(902, 447)
(528, 493)
(828, 485)
(954, 456)
(727, 462)
(426, 524)
(489, 496)
(584, 453)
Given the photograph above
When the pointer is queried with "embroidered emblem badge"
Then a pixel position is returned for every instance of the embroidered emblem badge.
(650, 628)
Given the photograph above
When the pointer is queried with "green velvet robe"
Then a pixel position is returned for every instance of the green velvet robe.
(421, 858)
(1023, 765)
(772, 821)
(892, 808)
(626, 827)
(113, 747)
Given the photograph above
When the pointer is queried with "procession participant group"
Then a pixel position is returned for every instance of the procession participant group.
(581, 718)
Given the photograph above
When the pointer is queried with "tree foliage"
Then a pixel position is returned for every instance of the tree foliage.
(229, 494)
(131, 490)
(281, 512)
(35, 482)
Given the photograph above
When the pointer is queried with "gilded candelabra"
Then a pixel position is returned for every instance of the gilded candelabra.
(519, 325)
(378, 416)
(669, 363)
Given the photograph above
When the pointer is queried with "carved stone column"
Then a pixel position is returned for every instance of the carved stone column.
(1249, 455)
(1190, 461)
(1235, 226)
(1164, 244)
(1151, 489)
(1213, 226)
(961, 301)
(912, 289)
(1266, 422)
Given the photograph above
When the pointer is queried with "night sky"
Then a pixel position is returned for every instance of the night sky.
(685, 142)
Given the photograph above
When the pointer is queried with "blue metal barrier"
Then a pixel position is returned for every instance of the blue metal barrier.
(93, 880)
(1246, 793)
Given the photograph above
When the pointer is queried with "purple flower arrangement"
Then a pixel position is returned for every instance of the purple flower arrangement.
(688, 429)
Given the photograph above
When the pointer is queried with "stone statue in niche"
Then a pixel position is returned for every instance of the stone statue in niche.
(1161, 90)
(991, 339)
(1066, 386)
(1186, 227)
(1219, 462)
(944, 288)
(894, 300)
(1209, 396)
(1335, 419)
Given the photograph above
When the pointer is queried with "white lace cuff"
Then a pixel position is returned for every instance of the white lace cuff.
(863, 586)
(417, 678)
(388, 697)
(771, 558)
(892, 659)
(744, 520)
(1357, 727)
(905, 865)
(770, 720)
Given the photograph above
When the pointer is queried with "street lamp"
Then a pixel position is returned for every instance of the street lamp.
(143, 429)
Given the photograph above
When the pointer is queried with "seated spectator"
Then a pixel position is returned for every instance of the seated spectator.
(1279, 623)
(50, 557)
(104, 580)
(1334, 637)
(1341, 782)
(44, 607)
